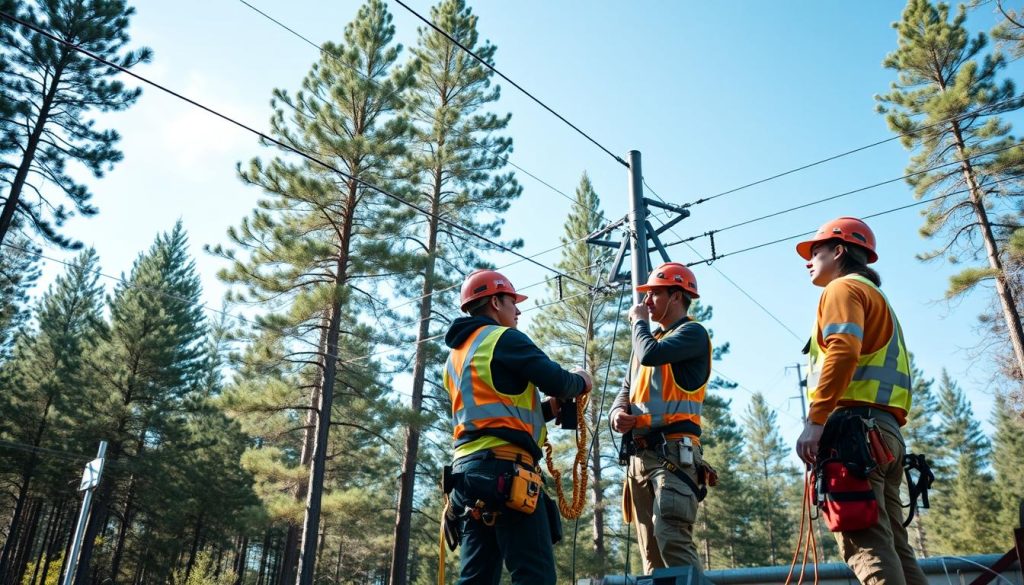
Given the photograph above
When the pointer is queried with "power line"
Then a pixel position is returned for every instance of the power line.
(290, 148)
(878, 214)
(504, 158)
(978, 112)
(514, 84)
(840, 195)
(731, 281)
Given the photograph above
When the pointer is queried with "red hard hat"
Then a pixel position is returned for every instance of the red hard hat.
(847, 229)
(672, 274)
(484, 283)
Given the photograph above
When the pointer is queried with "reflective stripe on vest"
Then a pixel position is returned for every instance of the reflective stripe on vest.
(882, 377)
(658, 400)
(477, 405)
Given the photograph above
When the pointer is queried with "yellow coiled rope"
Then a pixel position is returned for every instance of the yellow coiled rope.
(572, 510)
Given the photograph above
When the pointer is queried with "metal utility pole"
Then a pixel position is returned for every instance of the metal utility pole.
(90, 479)
(801, 383)
(640, 234)
(638, 224)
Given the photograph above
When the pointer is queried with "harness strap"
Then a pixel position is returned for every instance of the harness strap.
(700, 491)
(919, 488)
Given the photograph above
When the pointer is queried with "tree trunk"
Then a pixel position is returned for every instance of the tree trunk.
(54, 539)
(24, 550)
(13, 197)
(23, 488)
(289, 554)
(307, 548)
(399, 574)
(1003, 290)
(264, 554)
(44, 546)
(241, 559)
(194, 549)
(122, 530)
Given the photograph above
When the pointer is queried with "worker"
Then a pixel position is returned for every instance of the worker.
(860, 367)
(659, 406)
(495, 376)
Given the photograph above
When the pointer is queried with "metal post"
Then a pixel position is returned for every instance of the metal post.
(801, 385)
(638, 225)
(90, 479)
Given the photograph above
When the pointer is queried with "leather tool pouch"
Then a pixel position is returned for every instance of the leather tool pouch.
(524, 490)
(554, 519)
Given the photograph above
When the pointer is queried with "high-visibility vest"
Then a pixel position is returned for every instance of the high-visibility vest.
(659, 401)
(477, 405)
(881, 377)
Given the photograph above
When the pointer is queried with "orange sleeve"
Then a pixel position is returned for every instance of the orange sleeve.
(841, 323)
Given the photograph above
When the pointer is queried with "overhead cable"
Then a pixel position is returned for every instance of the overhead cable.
(978, 112)
(454, 225)
(514, 84)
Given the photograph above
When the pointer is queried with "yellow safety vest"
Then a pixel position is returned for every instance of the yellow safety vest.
(881, 378)
(477, 405)
(659, 400)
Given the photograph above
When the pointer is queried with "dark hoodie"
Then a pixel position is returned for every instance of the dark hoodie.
(517, 362)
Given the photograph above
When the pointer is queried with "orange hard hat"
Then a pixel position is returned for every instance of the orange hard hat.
(485, 283)
(846, 229)
(672, 274)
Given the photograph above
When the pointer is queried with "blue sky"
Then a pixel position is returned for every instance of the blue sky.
(714, 95)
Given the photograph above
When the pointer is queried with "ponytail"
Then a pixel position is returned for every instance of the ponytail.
(855, 261)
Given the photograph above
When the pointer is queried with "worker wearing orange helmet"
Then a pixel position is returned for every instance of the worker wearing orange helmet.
(859, 367)
(495, 376)
(660, 405)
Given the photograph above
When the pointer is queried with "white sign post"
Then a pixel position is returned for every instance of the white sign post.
(90, 479)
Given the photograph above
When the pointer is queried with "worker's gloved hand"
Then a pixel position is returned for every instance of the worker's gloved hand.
(588, 382)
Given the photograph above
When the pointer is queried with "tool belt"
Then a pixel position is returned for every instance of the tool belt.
(851, 447)
(656, 444)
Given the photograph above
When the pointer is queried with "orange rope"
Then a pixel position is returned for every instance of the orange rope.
(806, 541)
(573, 509)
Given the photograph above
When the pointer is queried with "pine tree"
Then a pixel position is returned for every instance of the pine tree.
(723, 526)
(46, 372)
(317, 230)
(150, 364)
(54, 88)
(578, 328)
(768, 477)
(965, 507)
(1007, 462)
(1010, 30)
(945, 103)
(455, 169)
(18, 272)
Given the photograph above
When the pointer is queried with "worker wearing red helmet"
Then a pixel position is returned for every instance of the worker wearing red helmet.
(660, 404)
(495, 376)
(859, 367)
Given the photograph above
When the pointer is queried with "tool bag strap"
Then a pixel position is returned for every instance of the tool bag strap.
(700, 491)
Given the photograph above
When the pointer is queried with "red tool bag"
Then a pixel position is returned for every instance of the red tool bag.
(846, 500)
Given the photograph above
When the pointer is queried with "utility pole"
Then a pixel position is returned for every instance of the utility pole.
(801, 383)
(90, 479)
(640, 234)
(638, 225)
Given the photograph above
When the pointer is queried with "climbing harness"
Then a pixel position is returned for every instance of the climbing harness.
(917, 489)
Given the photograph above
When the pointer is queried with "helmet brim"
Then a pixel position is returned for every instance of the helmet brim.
(806, 249)
(649, 287)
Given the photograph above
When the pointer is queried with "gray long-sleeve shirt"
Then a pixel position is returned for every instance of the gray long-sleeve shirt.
(685, 345)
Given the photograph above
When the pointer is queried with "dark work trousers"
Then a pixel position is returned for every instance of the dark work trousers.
(521, 541)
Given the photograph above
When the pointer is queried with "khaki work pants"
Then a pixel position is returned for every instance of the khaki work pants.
(881, 555)
(664, 510)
